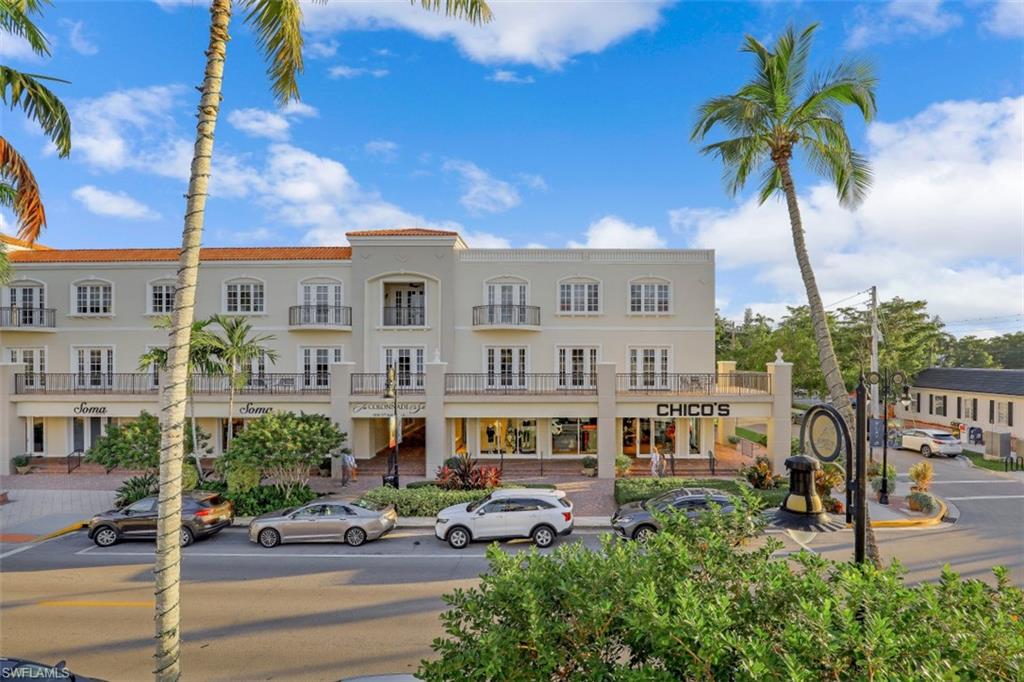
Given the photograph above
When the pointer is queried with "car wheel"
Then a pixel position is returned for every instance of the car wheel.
(458, 538)
(355, 536)
(269, 537)
(543, 536)
(643, 533)
(951, 455)
(926, 451)
(105, 536)
(186, 536)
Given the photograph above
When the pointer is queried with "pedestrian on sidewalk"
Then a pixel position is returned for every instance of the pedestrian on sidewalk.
(350, 472)
(657, 464)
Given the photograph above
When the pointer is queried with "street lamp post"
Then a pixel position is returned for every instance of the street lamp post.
(394, 430)
(889, 384)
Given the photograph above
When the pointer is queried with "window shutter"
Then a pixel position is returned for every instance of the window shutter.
(974, 410)
(959, 401)
(991, 412)
(931, 403)
(917, 402)
(1009, 413)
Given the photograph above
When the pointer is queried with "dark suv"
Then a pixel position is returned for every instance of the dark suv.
(638, 520)
(202, 514)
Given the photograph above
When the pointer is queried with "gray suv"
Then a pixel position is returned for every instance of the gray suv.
(636, 520)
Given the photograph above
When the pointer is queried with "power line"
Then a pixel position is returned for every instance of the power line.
(954, 323)
(864, 291)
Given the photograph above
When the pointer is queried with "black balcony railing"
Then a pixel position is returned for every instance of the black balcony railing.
(730, 383)
(520, 383)
(511, 315)
(405, 316)
(374, 383)
(320, 316)
(142, 383)
(34, 318)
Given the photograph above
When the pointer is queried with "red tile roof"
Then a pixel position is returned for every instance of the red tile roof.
(14, 241)
(405, 232)
(257, 253)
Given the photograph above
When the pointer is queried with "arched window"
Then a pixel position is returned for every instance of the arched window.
(579, 296)
(92, 297)
(650, 296)
(244, 296)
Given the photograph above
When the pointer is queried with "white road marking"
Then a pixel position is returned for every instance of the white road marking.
(293, 555)
(988, 497)
(27, 546)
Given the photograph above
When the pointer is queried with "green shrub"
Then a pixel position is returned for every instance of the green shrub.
(424, 501)
(453, 461)
(468, 474)
(241, 476)
(268, 498)
(921, 501)
(189, 476)
(876, 484)
(734, 440)
(760, 475)
(623, 464)
(589, 462)
(753, 436)
(874, 470)
(697, 602)
(136, 488)
(421, 484)
(634, 489)
(538, 486)
(20, 461)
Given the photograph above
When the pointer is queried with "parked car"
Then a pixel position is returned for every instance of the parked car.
(636, 520)
(507, 513)
(202, 514)
(20, 669)
(324, 520)
(931, 441)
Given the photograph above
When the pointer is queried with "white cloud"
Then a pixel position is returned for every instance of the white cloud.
(385, 150)
(260, 123)
(535, 245)
(506, 76)
(1006, 18)
(612, 232)
(113, 204)
(521, 31)
(532, 181)
(321, 49)
(944, 218)
(77, 38)
(899, 18)
(300, 109)
(342, 71)
(482, 192)
(485, 240)
(108, 128)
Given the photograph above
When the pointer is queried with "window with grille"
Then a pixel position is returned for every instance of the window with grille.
(161, 298)
(649, 297)
(579, 297)
(94, 299)
(244, 297)
(577, 367)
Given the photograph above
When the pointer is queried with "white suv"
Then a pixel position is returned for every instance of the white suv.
(507, 513)
(931, 441)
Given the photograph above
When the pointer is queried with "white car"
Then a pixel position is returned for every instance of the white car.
(533, 513)
(931, 441)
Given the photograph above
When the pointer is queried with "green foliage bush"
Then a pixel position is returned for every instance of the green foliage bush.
(239, 476)
(468, 474)
(136, 445)
(760, 475)
(623, 464)
(921, 501)
(421, 484)
(753, 436)
(697, 602)
(136, 488)
(189, 476)
(734, 440)
(268, 498)
(589, 462)
(634, 489)
(425, 501)
(20, 460)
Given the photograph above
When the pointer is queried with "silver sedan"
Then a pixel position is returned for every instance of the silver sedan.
(322, 521)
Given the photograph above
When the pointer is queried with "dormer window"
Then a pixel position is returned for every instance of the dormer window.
(650, 296)
(94, 298)
(579, 296)
(244, 296)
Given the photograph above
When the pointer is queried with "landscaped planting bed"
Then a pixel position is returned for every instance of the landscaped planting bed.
(633, 489)
(426, 499)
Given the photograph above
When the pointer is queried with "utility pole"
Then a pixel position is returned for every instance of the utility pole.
(874, 350)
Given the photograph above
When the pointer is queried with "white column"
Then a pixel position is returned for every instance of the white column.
(726, 425)
(437, 448)
(12, 429)
(607, 445)
(780, 424)
(338, 410)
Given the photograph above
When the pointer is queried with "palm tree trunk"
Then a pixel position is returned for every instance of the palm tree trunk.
(195, 432)
(231, 407)
(822, 336)
(167, 566)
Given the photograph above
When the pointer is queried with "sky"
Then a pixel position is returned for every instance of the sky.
(560, 124)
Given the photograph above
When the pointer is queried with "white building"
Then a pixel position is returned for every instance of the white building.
(522, 353)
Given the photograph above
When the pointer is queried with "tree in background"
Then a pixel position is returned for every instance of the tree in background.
(237, 349)
(277, 25)
(967, 351)
(135, 445)
(777, 113)
(1007, 350)
(19, 190)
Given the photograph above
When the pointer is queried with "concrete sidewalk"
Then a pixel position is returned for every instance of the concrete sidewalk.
(34, 513)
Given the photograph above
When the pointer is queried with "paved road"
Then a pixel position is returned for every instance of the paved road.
(309, 612)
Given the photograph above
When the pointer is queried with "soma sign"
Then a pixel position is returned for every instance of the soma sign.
(249, 409)
(694, 409)
(86, 408)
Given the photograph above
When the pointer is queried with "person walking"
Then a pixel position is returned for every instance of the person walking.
(656, 464)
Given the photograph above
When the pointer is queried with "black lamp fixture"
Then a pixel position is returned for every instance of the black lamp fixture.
(394, 427)
(890, 384)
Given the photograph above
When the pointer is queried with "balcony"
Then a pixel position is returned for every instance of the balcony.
(520, 384)
(28, 319)
(506, 317)
(404, 316)
(320, 317)
(374, 383)
(141, 383)
(731, 383)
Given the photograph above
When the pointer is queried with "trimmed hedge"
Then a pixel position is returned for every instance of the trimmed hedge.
(633, 489)
(513, 484)
(754, 436)
(422, 501)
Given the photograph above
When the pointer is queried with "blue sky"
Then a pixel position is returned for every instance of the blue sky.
(558, 124)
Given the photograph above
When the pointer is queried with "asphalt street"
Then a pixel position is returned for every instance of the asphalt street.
(311, 612)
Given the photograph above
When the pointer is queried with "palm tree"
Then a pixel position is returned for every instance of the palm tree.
(277, 24)
(19, 190)
(237, 350)
(204, 358)
(777, 113)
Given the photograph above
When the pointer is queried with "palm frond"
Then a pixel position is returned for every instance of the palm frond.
(473, 11)
(5, 265)
(741, 115)
(14, 20)
(791, 53)
(852, 82)
(39, 103)
(771, 183)
(278, 27)
(8, 194)
(740, 157)
(830, 153)
(27, 204)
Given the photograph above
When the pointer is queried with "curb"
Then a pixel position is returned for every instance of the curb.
(71, 528)
(933, 520)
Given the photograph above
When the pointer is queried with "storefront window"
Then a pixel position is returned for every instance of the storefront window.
(665, 435)
(460, 436)
(508, 436)
(573, 436)
(236, 428)
(695, 436)
(637, 433)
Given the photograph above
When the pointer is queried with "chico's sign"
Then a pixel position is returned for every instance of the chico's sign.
(693, 409)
